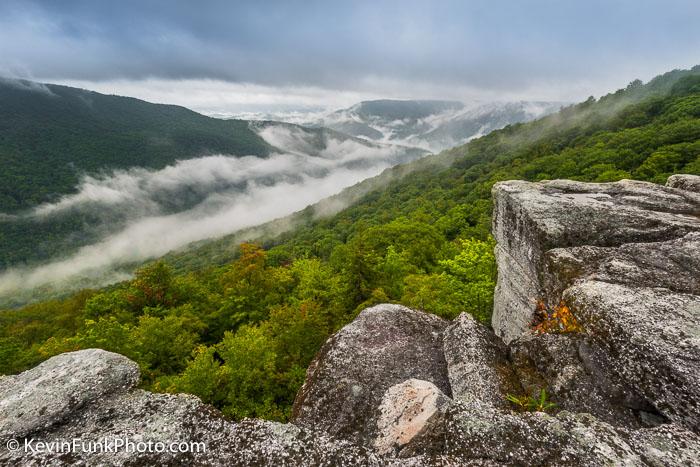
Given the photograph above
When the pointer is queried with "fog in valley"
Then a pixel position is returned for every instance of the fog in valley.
(139, 214)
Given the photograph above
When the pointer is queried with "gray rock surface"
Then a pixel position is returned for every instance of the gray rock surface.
(143, 418)
(577, 378)
(46, 394)
(385, 345)
(477, 363)
(529, 219)
(408, 410)
(625, 257)
(654, 336)
(684, 182)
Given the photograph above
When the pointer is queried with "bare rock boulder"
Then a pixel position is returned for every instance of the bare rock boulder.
(684, 182)
(529, 219)
(161, 429)
(385, 345)
(47, 394)
(654, 336)
(477, 363)
(407, 410)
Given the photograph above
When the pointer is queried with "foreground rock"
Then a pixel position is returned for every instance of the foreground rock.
(384, 346)
(477, 363)
(624, 258)
(533, 218)
(684, 182)
(45, 395)
(408, 410)
(88, 396)
(655, 336)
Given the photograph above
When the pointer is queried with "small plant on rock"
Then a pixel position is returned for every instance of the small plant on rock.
(560, 320)
(532, 404)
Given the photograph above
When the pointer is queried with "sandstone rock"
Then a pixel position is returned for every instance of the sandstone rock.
(533, 218)
(684, 182)
(625, 259)
(577, 378)
(46, 394)
(477, 363)
(384, 346)
(672, 264)
(146, 419)
(408, 409)
(536, 439)
(654, 336)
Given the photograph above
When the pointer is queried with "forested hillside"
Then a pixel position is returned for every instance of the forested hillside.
(241, 335)
(79, 166)
(50, 135)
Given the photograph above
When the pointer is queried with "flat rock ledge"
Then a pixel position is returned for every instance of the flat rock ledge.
(401, 387)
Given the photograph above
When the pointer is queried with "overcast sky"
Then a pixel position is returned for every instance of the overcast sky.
(221, 56)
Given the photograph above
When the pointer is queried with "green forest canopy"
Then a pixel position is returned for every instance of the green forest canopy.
(50, 135)
(240, 335)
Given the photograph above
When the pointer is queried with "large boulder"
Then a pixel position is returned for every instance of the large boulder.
(385, 345)
(478, 432)
(529, 219)
(46, 394)
(623, 260)
(654, 335)
(87, 396)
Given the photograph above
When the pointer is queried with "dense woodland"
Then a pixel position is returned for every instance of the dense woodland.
(240, 335)
(51, 136)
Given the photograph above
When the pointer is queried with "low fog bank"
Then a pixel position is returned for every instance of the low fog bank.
(144, 214)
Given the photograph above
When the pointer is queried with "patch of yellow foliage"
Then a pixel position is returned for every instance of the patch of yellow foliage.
(556, 321)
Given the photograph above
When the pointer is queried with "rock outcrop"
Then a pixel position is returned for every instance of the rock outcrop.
(384, 346)
(597, 305)
(624, 258)
(89, 396)
(530, 219)
(43, 396)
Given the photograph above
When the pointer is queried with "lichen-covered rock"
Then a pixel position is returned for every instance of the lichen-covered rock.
(672, 264)
(684, 182)
(577, 378)
(385, 345)
(537, 439)
(46, 394)
(624, 259)
(530, 219)
(407, 410)
(163, 429)
(653, 336)
(666, 445)
(477, 363)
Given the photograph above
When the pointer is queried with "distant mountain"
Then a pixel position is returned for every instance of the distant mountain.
(50, 135)
(430, 124)
(79, 169)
